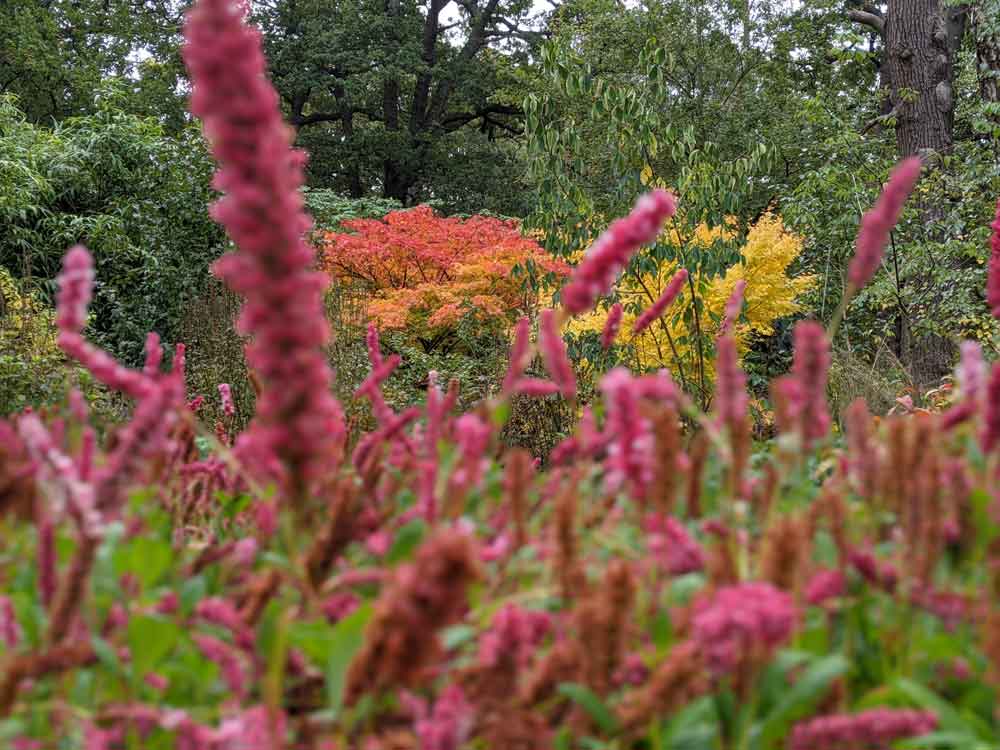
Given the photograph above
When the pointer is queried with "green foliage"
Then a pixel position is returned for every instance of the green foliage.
(135, 196)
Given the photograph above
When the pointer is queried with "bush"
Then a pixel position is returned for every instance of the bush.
(135, 196)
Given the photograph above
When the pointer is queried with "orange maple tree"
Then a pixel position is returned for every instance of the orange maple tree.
(427, 271)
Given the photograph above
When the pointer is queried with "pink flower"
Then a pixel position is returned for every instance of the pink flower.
(76, 284)
(496, 550)
(654, 311)
(873, 234)
(672, 546)
(226, 396)
(873, 570)
(630, 450)
(972, 374)
(825, 584)
(803, 394)
(991, 422)
(993, 275)
(612, 251)
(228, 660)
(876, 728)
(169, 603)
(448, 725)
(472, 436)
(536, 387)
(154, 355)
(245, 551)
(730, 386)
(515, 634)
(156, 681)
(633, 671)
(378, 543)
(10, 629)
(611, 325)
(297, 420)
(733, 306)
(554, 354)
(520, 353)
(338, 606)
(742, 622)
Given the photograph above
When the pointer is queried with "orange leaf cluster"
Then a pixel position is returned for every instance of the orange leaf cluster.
(427, 271)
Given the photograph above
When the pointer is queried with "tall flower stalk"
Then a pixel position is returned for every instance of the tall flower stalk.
(298, 428)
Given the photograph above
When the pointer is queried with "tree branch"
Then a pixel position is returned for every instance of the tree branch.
(866, 18)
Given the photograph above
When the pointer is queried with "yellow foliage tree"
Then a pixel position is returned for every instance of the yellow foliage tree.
(771, 293)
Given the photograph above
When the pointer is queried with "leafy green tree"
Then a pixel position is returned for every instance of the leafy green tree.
(134, 195)
(415, 100)
(55, 53)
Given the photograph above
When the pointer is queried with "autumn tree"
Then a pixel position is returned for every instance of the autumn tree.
(425, 272)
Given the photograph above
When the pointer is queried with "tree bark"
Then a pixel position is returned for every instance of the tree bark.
(920, 41)
(921, 38)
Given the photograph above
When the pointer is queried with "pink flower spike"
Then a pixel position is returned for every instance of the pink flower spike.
(654, 311)
(993, 274)
(536, 387)
(810, 366)
(297, 421)
(76, 284)
(609, 255)
(10, 630)
(733, 306)
(519, 353)
(154, 355)
(991, 426)
(825, 584)
(554, 354)
(611, 326)
(226, 397)
(875, 728)
(731, 399)
(876, 225)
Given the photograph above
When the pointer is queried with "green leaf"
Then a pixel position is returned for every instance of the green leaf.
(592, 704)
(407, 539)
(150, 639)
(144, 557)
(948, 718)
(346, 641)
(800, 699)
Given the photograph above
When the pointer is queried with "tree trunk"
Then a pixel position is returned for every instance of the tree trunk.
(921, 37)
(920, 41)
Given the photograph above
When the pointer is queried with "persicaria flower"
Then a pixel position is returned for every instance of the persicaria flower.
(879, 221)
(611, 325)
(226, 397)
(991, 426)
(993, 274)
(733, 305)
(447, 725)
(972, 374)
(10, 629)
(802, 397)
(825, 584)
(515, 634)
(612, 251)
(877, 728)
(742, 623)
(297, 420)
(554, 354)
(672, 546)
(873, 570)
(654, 311)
